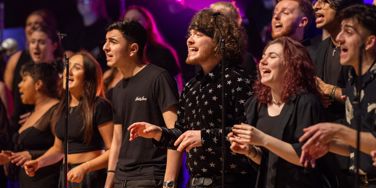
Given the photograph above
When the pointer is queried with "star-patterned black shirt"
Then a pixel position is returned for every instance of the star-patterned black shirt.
(200, 109)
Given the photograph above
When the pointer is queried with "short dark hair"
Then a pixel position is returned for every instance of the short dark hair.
(133, 32)
(365, 15)
(339, 5)
(217, 26)
(45, 72)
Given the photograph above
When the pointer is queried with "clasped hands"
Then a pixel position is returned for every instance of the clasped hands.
(17, 158)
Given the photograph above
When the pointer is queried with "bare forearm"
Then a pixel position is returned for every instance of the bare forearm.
(173, 165)
(97, 163)
(339, 148)
(348, 136)
(52, 156)
(282, 149)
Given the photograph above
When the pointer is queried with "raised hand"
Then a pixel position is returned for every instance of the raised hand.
(145, 130)
(188, 140)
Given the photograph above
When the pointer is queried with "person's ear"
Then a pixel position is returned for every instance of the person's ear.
(370, 42)
(303, 22)
(133, 49)
(38, 85)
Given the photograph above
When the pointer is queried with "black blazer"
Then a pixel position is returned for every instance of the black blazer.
(299, 112)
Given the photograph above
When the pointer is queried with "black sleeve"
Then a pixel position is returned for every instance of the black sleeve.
(117, 107)
(309, 112)
(103, 112)
(165, 91)
(251, 111)
(169, 136)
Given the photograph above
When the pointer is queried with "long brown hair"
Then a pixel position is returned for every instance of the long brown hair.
(93, 88)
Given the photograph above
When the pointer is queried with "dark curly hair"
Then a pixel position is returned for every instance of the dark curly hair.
(45, 72)
(217, 27)
(299, 73)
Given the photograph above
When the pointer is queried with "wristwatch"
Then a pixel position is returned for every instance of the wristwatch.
(169, 184)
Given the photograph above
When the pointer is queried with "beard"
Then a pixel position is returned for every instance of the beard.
(287, 31)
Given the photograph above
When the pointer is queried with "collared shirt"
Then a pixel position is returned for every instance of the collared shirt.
(200, 109)
(367, 110)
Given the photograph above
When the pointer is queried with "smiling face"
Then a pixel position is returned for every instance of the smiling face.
(200, 48)
(116, 48)
(271, 67)
(350, 40)
(41, 47)
(324, 13)
(76, 74)
(286, 18)
(27, 89)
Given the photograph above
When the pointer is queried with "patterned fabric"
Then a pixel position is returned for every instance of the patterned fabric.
(367, 110)
(200, 109)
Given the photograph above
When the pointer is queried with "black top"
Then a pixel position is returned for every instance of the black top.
(143, 97)
(102, 114)
(200, 109)
(163, 57)
(367, 111)
(19, 107)
(332, 72)
(299, 112)
(37, 139)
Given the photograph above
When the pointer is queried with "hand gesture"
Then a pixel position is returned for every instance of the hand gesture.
(19, 158)
(188, 140)
(145, 130)
(76, 174)
(236, 146)
(31, 167)
(308, 157)
(248, 134)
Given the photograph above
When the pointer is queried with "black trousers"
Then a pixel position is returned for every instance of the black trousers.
(155, 183)
(233, 181)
